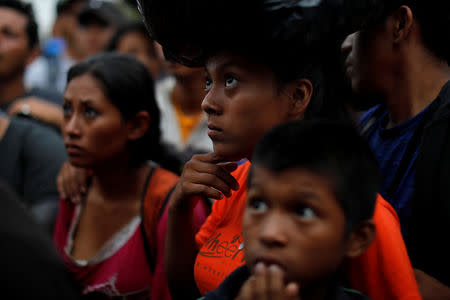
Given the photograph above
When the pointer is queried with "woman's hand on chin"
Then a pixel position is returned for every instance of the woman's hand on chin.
(205, 175)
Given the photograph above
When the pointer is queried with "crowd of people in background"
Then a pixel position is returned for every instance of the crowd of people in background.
(188, 149)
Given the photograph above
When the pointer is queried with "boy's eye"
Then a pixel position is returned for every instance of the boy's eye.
(230, 81)
(67, 110)
(305, 212)
(208, 84)
(90, 113)
(257, 205)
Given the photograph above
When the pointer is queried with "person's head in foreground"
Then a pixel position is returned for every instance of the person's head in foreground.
(311, 197)
(403, 35)
(110, 113)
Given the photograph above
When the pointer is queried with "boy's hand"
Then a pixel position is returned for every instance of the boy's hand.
(268, 284)
(204, 175)
(71, 183)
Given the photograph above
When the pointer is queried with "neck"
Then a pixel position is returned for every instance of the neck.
(415, 87)
(188, 93)
(317, 291)
(11, 88)
(119, 182)
(4, 123)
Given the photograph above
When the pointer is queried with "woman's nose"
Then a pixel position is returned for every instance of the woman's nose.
(210, 103)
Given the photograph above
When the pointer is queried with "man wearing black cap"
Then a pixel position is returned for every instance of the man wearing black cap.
(98, 20)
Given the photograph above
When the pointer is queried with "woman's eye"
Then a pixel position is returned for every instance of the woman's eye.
(305, 212)
(230, 81)
(67, 110)
(90, 113)
(257, 205)
(208, 84)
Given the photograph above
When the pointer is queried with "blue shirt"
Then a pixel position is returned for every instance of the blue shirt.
(389, 146)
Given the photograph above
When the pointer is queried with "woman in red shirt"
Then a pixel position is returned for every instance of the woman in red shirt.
(111, 127)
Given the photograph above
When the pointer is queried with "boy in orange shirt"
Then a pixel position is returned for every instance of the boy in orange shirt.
(311, 196)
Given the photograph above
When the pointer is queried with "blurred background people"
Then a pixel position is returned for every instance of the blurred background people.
(98, 21)
(19, 46)
(60, 52)
(133, 39)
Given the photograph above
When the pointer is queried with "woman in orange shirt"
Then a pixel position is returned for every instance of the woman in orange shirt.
(287, 70)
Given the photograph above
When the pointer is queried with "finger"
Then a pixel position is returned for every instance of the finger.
(205, 191)
(246, 292)
(59, 185)
(211, 157)
(73, 185)
(261, 282)
(194, 167)
(275, 282)
(292, 291)
(228, 166)
(214, 182)
(81, 178)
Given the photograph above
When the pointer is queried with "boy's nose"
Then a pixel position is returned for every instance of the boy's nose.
(273, 231)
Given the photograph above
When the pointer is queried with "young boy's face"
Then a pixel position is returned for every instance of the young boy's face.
(293, 220)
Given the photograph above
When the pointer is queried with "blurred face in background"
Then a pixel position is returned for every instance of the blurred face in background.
(139, 45)
(15, 52)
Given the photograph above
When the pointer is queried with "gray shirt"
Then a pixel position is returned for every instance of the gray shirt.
(31, 156)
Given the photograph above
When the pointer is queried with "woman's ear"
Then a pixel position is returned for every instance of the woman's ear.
(138, 125)
(360, 239)
(300, 92)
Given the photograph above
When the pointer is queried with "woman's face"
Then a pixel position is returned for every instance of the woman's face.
(243, 101)
(93, 128)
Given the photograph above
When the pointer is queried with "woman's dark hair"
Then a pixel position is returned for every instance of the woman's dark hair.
(124, 30)
(330, 149)
(296, 39)
(129, 86)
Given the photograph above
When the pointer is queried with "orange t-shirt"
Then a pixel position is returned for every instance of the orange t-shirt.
(384, 272)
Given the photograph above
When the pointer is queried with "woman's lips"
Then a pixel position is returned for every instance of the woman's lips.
(214, 132)
(73, 149)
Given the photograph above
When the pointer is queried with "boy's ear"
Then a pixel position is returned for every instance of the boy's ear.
(403, 20)
(300, 92)
(138, 125)
(360, 239)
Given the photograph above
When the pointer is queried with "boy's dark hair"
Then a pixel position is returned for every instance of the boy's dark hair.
(331, 149)
(25, 9)
(124, 30)
(433, 18)
(129, 86)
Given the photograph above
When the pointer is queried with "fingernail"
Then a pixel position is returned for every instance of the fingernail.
(274, 269)
(259, 267)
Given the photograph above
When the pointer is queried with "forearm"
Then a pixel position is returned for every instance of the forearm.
(180, 254)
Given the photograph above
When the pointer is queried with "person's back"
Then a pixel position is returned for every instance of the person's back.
(402, 63)
(30, 158)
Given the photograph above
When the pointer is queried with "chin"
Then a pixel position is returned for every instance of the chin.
(228, 153)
